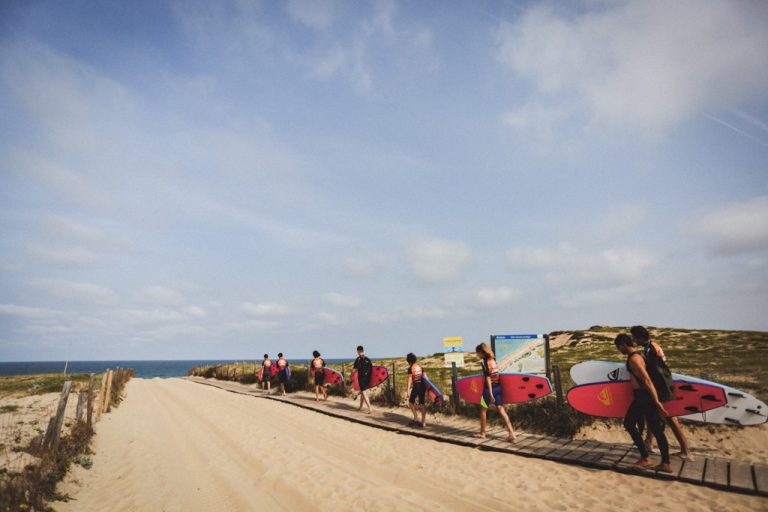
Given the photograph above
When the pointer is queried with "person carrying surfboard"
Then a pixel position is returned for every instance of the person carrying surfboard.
(492, 393)
(658, 370)
(317, 373)
(282, 372)
(417, 389)
(266, 374)
(646, 407)
(364, 368)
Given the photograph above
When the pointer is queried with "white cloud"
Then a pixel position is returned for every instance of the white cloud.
(151, 316)
(163, 295)
(736, 227)
(342, 300)
(67, 256)
(195, 311)
(86, 293)
(568, 264)
(28, 312)
(316, 14)
(364, 265)
(325, 318)
(640, 63)
(265, 309)
(425, 313)
(437, 260)
(496, 296)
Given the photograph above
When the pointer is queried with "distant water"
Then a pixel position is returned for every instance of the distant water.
(144, 369)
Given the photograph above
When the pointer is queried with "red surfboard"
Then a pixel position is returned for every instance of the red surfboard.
(515, 387)
(332, 376)
(379, 375)
(612, 399)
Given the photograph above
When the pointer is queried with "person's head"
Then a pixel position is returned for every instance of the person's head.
(266, 356)
(360, 350)
(279, 354)
(411, 358)
(316, 353)
(624, 343)
(484, 351)
(640, 334)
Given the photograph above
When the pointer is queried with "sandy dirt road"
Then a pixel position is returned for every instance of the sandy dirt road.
(175, 445)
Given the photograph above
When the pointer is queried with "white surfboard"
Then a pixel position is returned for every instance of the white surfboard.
(741, 409)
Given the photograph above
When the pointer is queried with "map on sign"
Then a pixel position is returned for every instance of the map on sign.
(524, 353)
(454, 351)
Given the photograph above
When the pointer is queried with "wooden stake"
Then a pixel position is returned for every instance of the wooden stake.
(100, 408)
(52, 442)
(89, 411)
(80, 405)
(108, 394)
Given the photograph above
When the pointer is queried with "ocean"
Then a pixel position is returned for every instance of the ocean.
(144, 369)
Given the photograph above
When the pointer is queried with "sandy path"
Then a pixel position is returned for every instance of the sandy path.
(176, 445)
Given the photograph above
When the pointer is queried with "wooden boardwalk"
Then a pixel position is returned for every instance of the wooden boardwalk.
(720, 473)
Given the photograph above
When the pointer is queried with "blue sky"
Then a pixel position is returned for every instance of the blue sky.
(224, 179)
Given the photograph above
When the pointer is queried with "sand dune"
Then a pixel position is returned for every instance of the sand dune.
(175, 445)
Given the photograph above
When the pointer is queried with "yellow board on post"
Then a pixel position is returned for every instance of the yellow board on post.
(453, 347)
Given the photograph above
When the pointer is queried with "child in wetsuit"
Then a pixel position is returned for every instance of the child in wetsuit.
(492, 393)
(317, 373)
(417, 389)
(282, 374)
(364, 368)
(266, 374)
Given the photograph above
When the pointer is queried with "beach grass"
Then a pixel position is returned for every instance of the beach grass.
(24, 385)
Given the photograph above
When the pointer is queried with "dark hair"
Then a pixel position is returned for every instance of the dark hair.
(411, 358)
(623, 339)
(266, 356)
(484, 349)
(279, 354)
(640, 332)
(316, 353)
(360, 348)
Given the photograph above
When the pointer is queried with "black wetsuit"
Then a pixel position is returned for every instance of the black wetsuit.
(364, 368)
(643, 408)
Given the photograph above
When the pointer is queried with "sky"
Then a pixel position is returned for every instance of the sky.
(220, 179)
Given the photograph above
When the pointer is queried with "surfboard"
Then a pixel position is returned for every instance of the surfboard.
(612, 399)
(515, 387)
(332, 376)
(433, 393)
(378, 375)
(741, 408)
(287, 372)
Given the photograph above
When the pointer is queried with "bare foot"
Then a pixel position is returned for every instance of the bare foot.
(479, 435)
(663, 468)
(512, 439)
(686, 456)
(643, 464)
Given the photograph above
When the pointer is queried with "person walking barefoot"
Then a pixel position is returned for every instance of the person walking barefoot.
(364, 368)
(417, 390)
(317, 373)
(492, 392)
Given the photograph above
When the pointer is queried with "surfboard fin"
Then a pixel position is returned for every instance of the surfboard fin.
(711, 398)
(754, 412)
(737, 395)
(686, 387)
(692, 408)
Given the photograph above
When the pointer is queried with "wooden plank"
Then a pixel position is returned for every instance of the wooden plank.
(716, 473)
(761, 478)
(51, 440)
(611, 457)
(100, 408)
(565, 449)
(550, 445)
(740, 477)
(578, 452)
(108, 393)
(530, 447)
(693, 472)
(625, 465)
(80, 405)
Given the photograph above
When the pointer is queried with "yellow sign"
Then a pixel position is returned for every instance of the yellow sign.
(605, 396)
(453, 344)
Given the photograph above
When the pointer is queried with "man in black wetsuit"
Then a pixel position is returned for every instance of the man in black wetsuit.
(645, 406)
(364, 368)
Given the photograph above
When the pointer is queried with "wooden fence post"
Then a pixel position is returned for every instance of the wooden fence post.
(395, 399)
(454, 392)
(80, 405)
(558, 384)
(102, 390)
(89, 408)
(52, 442)
(108, 394)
